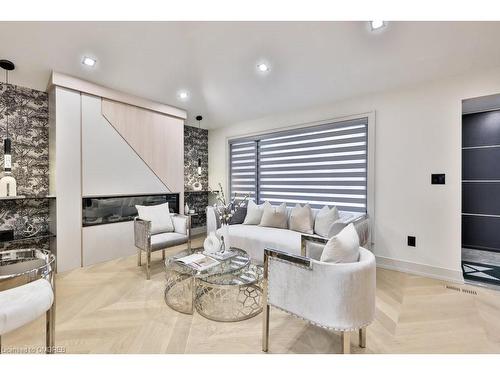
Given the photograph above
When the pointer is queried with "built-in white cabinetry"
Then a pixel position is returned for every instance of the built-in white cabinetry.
(90, 156)
(65, 170)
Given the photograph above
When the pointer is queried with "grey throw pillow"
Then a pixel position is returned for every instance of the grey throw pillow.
(324, 220)
(301, 219)
(274, 217)
(238, 216)
(342, 248)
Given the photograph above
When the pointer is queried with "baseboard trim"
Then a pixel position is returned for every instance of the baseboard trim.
(419, 269)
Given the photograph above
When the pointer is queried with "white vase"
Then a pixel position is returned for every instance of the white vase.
(211, 243)
(225, 235)
(8, 186)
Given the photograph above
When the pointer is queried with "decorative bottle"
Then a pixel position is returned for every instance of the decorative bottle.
(8, 185)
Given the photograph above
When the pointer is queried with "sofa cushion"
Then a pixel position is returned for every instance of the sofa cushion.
(301, 219)
(254, 213)
(159, 215)
(163, 240)
(324, 219)
(274, 217)
(342, 248)
(254, 239)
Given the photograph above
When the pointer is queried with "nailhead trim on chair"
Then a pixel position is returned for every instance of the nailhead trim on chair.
(302, 318)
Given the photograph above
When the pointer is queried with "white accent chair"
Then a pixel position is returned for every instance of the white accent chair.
(335, 296)
(24, 304)
(31, 293)
(148, 242)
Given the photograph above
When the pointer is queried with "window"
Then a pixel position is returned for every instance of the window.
(320, 165)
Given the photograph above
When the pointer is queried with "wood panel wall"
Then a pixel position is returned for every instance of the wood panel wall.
(158, 139)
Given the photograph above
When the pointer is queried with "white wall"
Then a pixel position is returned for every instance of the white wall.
(65, 181)
(109, 165)
(418, 132)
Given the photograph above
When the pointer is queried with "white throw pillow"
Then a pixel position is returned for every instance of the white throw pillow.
(342, 248)
(159, 215)
(324, 220)
(274, 217)
(254, 213)
(301, 219)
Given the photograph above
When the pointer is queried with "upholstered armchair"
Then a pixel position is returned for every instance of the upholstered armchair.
(148, 242)
(27, 291)
(335, 296)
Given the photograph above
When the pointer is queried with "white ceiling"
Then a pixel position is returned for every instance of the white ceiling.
(312, 63)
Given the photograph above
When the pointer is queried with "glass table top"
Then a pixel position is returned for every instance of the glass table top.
(236, 270)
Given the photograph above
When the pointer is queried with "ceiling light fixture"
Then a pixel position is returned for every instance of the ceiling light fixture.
(375, 25)
(262, 67)
(183, 95)
(89, 61)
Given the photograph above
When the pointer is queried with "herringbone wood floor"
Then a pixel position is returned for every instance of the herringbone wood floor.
(112, 308)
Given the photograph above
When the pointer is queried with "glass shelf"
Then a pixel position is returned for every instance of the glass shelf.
(35, 237)
(20, 197)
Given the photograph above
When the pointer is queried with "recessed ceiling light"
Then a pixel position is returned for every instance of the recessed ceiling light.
(263, 67)
(375, 25)
(183, 95)
(89, 61)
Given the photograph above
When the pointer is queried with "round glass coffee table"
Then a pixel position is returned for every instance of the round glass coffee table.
(228, 292)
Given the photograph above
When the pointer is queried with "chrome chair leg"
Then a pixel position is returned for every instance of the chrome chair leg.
(362, 337)
(265, 309)
(346, 342)
(50, 330)
(139, 257)
(265, 327)
(148, 265)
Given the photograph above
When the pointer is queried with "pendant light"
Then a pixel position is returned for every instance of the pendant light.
(8, 185)
(7, 66)
(199, 118)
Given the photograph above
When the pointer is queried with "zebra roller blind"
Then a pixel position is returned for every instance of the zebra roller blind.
(243, 169)
(321, 165)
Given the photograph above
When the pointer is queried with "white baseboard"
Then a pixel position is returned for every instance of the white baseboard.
(421, 269)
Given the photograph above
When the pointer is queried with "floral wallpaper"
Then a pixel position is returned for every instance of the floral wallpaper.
(28, 112)
(195, 146)
(27, 217)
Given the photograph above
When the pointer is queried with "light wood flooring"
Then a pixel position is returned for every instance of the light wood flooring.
(112, 308)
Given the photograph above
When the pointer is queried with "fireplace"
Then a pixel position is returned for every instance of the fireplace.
(117, 209)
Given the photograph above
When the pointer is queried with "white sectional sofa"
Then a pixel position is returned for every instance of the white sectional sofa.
(254, 238)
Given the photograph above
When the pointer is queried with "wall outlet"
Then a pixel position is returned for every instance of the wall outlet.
(412, 241)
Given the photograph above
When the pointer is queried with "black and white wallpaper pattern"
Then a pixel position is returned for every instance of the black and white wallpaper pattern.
(196, 146)
(28, 112)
